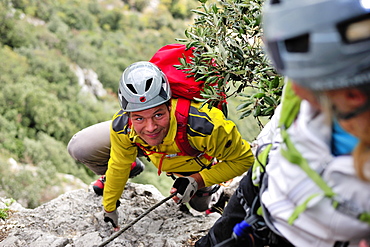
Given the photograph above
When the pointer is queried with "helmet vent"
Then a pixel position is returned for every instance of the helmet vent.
(148, 84)
(298, 44)
(273, 47)
(163, 93)
(131, 87)
(355, 30)
(124, 103)
(275, 1)
(163, 81)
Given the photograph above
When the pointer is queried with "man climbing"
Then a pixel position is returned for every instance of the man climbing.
(148, 124)
(303, 189)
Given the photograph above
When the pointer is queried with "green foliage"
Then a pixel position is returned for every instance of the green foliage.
(76, 16)
(9, 134)
(41, 103)
(38, 8)
(181, 8)
(26, 184)
(58, 27)
(16, 33)
(4, 213)
(47, 148)
(158, 18)
(44, 9)
(9, 202)
(7, 24)
(137, 5)
(13, 68)
(111, 20)
(50, 65)
(228, 50)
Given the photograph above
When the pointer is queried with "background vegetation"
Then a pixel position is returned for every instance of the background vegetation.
(41, 103)
(229, 57)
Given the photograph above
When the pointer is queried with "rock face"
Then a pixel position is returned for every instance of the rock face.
(88, 81)
(76, 219)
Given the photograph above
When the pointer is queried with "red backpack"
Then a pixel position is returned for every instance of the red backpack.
(183, 87)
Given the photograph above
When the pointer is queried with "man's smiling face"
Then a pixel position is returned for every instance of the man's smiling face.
(152, 125)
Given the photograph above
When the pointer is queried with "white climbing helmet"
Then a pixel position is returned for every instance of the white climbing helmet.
(142, 86)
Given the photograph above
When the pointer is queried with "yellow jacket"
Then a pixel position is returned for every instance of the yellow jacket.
(208, 131)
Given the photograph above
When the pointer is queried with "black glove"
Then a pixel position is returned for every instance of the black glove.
(186, 188)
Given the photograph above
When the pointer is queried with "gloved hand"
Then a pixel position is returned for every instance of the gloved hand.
(186, 188)
(111, 217)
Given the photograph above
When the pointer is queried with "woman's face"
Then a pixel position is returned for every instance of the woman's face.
(347, 101)
(343, 101)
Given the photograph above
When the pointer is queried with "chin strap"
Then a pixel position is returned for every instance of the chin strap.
(354, 113)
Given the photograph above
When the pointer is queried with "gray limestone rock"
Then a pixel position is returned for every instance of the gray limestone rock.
(76, 219)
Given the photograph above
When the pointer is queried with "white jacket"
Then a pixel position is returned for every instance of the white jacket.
(289, 186)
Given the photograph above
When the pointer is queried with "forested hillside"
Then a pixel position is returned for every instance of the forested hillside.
(43, 46)
(41, 102)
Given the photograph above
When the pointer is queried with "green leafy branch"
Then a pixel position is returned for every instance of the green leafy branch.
(229, 57)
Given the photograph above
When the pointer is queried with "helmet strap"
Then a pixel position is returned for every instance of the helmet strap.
(354, 113)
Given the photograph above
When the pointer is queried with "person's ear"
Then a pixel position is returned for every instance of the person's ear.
(355, 97)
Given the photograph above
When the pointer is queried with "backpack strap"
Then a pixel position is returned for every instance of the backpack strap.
(291, 104)
(182, 141)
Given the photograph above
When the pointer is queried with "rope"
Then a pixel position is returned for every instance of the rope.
(135, 220)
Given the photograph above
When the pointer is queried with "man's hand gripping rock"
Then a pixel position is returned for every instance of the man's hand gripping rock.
(185, 188)
(112, 217)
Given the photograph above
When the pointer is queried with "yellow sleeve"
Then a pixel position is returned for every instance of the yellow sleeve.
(123, 154)
(227, 146)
